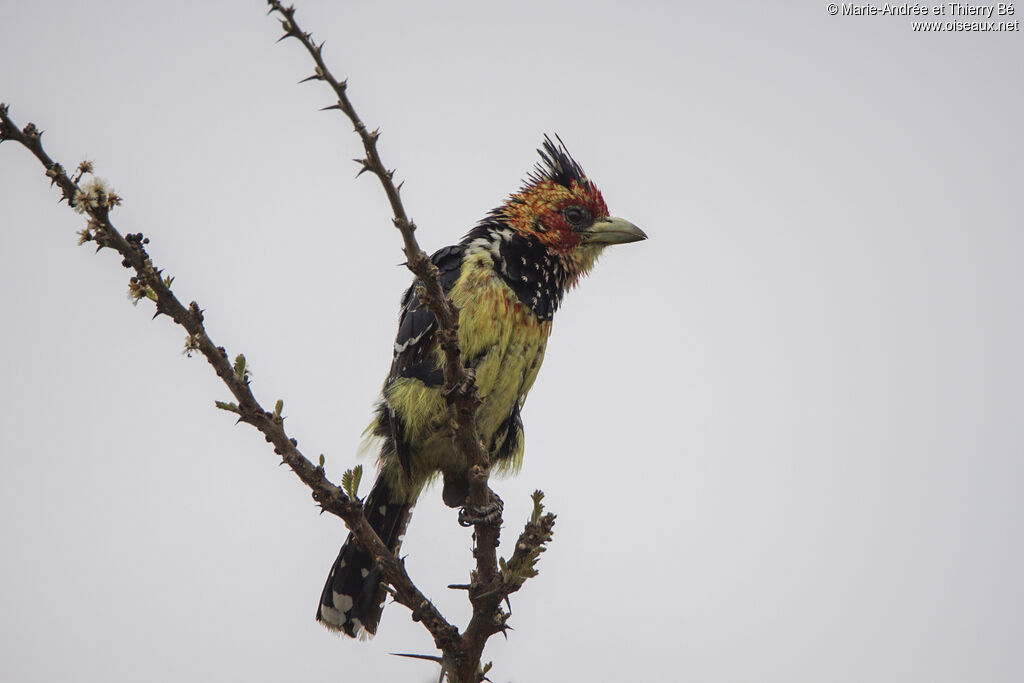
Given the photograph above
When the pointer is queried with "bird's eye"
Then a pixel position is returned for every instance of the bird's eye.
(576, 215)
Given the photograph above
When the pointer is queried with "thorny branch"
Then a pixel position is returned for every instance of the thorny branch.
(459, 385)
(460, 389)
(490, 583)
(96, 202)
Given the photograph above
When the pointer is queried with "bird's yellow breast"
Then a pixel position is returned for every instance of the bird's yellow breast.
(503, 341)
(501, 338)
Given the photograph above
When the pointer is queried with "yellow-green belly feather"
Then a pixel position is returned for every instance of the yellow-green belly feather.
(504, 342)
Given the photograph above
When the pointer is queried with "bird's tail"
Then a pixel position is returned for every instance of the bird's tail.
(353, 597)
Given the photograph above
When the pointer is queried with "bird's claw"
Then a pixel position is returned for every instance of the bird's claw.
(487, 514)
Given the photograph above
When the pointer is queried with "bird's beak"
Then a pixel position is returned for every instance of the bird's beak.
(611, 230)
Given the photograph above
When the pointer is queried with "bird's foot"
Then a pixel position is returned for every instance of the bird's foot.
(471, 515)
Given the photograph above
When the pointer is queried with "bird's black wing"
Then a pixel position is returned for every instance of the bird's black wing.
(417, 328)
(415, 346)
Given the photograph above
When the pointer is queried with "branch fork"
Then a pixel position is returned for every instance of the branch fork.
(492, 582)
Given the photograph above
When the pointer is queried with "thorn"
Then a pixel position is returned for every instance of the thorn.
(287, 35)
(333, 106)
(459, 586)
(429, 658)
(320, 46)
(314, 77)
(399, 188)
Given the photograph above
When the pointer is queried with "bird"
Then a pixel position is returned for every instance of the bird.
(507, 277)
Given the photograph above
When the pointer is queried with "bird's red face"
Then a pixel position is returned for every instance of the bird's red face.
(560, 209)
(555, 215)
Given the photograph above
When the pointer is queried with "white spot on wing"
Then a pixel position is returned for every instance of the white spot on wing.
(410, 341)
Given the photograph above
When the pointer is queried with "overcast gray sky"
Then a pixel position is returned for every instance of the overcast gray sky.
(783, 437)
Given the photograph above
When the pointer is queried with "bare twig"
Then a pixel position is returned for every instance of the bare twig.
(460, 389)
(459, 386)
(96, 202)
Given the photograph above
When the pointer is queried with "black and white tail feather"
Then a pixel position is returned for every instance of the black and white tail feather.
(353, 596)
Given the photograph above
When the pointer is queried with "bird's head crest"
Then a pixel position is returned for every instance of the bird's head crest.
(556, 202)
(558, 213)
(557, 166)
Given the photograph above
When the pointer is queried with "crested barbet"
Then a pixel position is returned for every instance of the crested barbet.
(507, 276)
